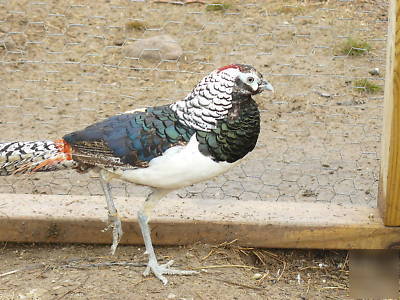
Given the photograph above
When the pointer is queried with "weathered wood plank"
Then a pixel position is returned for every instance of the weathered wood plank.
(389, 190)
(80, 219)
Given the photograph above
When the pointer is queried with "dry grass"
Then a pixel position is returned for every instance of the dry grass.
(135, 25)
(291, 9)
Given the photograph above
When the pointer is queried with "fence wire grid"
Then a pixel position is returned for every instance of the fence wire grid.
(67, 64)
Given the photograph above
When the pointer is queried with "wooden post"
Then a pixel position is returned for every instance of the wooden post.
(176, 221)
(389, 190)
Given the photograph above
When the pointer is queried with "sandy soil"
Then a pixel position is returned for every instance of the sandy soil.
(62, 68)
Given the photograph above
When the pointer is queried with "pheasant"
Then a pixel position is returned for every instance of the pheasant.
(164, 147)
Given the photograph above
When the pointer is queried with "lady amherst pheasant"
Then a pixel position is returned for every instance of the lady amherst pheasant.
(164, 147)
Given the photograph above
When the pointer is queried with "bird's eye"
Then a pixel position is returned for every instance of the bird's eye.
(250, 79)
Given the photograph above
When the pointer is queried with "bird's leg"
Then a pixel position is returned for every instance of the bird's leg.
(113, 217)
(152, 265)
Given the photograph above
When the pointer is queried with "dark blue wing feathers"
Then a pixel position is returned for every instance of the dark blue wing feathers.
(133, 139)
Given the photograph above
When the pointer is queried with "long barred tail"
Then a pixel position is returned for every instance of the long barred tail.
(30, 157)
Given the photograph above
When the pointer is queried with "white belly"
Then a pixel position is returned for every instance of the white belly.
(179, 166)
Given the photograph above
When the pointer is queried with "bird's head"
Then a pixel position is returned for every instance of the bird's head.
(246, 79)
(215, 95)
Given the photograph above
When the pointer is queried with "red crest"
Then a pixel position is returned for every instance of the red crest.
(232, 66)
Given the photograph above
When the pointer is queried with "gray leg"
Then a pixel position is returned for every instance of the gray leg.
(113, 217)
(152, 265)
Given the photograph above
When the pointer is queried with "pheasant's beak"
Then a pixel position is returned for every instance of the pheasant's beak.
(266, 86)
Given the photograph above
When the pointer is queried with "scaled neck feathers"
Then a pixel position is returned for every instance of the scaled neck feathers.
(210, 101)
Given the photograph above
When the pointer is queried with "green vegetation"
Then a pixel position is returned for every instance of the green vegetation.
(135, 25)
(364, 85)
(354, 47)
(218, 6)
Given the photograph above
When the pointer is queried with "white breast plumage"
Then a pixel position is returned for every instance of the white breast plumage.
(179, 166)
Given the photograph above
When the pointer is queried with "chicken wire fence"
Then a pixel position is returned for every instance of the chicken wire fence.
(67, 64)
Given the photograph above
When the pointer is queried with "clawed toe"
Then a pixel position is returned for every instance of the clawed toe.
(164, 269)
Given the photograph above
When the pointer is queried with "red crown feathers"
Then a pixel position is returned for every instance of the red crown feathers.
(232, 66)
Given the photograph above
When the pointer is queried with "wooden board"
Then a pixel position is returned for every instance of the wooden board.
(80, 219)
(389, 190)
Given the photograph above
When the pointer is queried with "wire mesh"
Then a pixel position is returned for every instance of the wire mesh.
(66, 64)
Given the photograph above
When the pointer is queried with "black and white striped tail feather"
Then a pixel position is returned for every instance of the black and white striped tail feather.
(35, 156)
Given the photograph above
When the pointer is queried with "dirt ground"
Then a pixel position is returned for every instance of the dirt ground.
(226, 272)
(62, 67)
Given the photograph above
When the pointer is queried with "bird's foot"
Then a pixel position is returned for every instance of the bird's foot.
(160, 270)
(115, 224)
